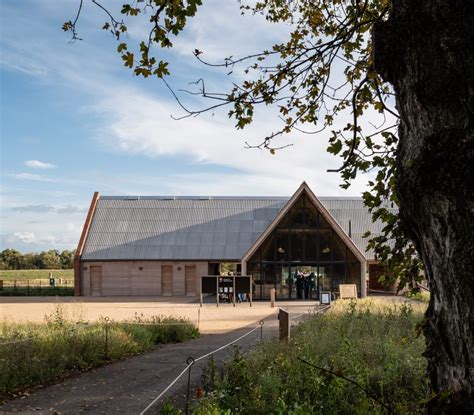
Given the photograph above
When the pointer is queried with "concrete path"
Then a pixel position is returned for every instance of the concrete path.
(127, 387)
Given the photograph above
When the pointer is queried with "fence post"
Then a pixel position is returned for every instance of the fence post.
(190, 362)
(284, 323)
(106, 344)
(272, 297)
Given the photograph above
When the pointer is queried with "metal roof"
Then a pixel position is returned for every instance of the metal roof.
(199, 228)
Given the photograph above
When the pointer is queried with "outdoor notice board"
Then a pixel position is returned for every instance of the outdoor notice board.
(348, 291)
(209, 285)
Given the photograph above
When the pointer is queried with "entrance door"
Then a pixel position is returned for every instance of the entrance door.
(96, 281)
(167, 280)
(323, 280)
(190, 279)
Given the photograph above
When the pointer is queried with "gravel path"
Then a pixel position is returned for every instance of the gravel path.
(127, 387)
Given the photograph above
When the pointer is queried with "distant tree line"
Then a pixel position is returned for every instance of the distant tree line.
(52, 259)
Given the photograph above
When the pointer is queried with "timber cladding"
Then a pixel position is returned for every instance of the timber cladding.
(145, 278)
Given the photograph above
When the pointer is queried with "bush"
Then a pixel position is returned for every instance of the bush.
(375, 345)
(32, 353)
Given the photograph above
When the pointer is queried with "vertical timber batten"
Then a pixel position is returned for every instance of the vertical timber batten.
(363, 281)
(80, 246)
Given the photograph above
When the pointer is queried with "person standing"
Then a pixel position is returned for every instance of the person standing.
(299, 285)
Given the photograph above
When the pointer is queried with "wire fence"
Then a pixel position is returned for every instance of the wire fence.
(190, 361)
(37, 287)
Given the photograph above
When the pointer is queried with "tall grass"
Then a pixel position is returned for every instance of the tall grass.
(375, 344)
(36, 274)
(32, 353)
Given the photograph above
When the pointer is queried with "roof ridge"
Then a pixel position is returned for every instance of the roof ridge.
(164, 197)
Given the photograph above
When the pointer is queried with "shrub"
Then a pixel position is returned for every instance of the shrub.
(373, 344)
(32, 353)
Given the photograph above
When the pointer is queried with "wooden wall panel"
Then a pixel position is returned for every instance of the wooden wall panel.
(116, 278)
(125, 278)
(85, 279)
(167, 280)
(147, 280)
(96, 281)
(190, 273)
(178, 279)
(202, 270)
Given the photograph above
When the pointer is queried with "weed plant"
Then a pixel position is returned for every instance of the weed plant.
(375, 344)
(32, 353)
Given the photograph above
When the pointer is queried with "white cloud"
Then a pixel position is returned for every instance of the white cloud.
(26, 237)
(141, 125)
(33, 177)
(36, 164)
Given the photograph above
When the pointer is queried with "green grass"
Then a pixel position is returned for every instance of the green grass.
(34, 282)
(32, 353)
(36, 274)
(372, 343)
(422, 296)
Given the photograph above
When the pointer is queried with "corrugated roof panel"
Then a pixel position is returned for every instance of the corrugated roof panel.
(233, 251)
(245, 238)
(218, 228)
(246, 226)
(232, 238)
(219, 238)
(205, 251)
(218, 252)
(194, 238)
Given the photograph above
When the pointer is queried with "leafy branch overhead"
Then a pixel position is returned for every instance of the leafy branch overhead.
(323, 73)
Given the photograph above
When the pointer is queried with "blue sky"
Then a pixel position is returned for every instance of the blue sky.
(75, 121)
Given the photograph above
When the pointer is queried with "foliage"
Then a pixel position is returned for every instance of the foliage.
(422, 296)
(34, 353)
(11, 259)
(374, 344)
(323, 72)
(36, 274)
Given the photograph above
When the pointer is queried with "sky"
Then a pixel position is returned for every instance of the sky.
(74, 120)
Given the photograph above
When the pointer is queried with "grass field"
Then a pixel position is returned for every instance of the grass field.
(33, 282)
(33, 353)
(36, 274)
(374, 344)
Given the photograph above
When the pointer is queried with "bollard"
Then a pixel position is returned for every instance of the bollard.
(106, 345)
(199, 317)
(284, 324)
(272, 297)
(261, 329)
(190, 362)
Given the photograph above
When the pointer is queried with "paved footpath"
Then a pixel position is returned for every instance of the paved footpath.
(127, 387)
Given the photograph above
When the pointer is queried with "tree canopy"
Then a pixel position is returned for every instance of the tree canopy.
(411, 63)
(323, 73)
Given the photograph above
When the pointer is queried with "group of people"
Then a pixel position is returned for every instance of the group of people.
(304, 284)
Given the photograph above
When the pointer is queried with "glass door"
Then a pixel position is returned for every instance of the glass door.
(323, 280)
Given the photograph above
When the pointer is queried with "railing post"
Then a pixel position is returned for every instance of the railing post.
(190, 362)
(284, 324)
(106, 345)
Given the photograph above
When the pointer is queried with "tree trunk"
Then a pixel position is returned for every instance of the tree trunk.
(426, 51)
